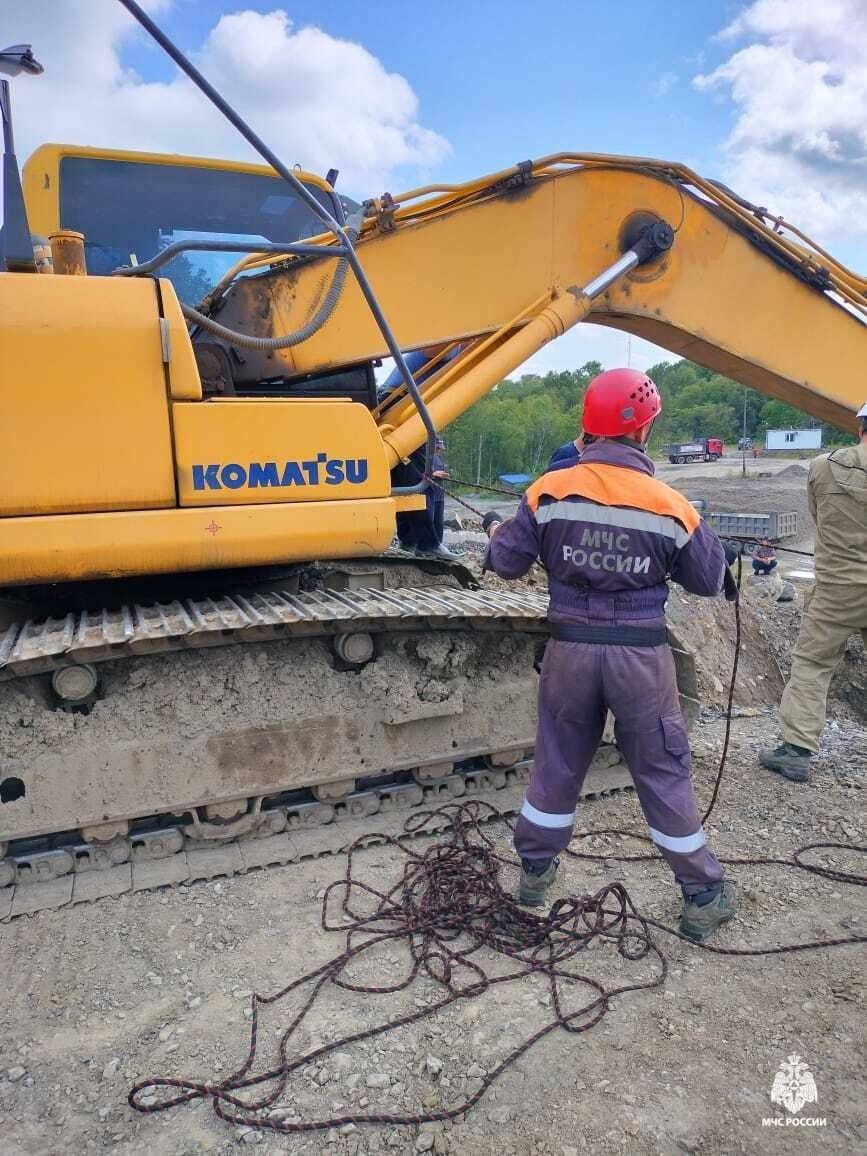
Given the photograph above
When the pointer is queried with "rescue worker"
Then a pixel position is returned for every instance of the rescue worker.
(609, 534)
(834, 609)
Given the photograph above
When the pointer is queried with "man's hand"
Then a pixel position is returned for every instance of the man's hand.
(491, 521)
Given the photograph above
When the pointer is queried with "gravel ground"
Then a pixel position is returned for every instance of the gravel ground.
(159, 984)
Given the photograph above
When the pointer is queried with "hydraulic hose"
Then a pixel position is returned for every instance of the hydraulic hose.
(267, 344)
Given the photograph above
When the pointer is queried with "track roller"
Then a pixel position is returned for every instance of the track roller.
(356, 648)
(335, 791)
(502, 760)
(75, 687)
(433, 772)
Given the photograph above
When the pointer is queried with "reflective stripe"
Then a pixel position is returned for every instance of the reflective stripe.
(543, 819)
(620, 516)
(680, 843)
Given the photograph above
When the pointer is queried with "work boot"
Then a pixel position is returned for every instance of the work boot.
(533, 885)
(442, 552)
(701, 919)
(791, 762)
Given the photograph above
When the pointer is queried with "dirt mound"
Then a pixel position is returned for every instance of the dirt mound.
(793, 471)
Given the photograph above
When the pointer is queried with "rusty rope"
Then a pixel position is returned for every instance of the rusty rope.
(447, 907)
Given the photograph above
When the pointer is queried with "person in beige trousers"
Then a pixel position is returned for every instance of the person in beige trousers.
(836, 607)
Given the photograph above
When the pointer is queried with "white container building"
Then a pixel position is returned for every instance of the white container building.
(793, 439)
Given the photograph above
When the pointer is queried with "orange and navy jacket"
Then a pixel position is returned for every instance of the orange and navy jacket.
(609, 535)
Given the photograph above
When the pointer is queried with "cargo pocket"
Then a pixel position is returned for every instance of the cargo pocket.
(675, 737)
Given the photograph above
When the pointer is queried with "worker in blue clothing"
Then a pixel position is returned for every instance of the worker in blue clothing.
(569, 454)
(421, 531)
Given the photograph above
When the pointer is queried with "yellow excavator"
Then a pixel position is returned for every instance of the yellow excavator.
(211, 658)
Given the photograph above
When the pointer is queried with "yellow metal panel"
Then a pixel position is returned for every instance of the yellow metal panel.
(83, 408)
(66, 548)
(236, 451)
(406, 503)
(184, 381)
(41, 176)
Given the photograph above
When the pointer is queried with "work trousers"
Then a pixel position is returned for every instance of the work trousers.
(832, 612)
(580, 682)
(423, 529)
(419, 529)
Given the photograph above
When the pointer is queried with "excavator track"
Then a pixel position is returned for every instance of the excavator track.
(158, 780)
(164, 856)
(37, 647)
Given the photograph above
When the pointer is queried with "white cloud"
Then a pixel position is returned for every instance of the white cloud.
(664, 84)
(316, 100)
(799, 84)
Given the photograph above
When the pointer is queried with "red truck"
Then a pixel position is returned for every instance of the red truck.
(700, 450)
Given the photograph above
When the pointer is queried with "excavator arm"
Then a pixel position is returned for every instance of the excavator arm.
(496, 265)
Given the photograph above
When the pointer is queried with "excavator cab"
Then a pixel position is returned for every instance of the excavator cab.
(131, 206)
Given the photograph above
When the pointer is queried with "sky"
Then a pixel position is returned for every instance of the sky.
(769, 96)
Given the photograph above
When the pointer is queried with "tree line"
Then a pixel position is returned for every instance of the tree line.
(520, 423)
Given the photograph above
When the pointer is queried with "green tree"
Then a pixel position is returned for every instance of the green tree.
(521, 422)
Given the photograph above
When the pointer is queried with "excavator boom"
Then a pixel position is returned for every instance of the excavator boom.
(480, 263)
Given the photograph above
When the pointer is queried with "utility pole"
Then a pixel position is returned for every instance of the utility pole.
(744, 439)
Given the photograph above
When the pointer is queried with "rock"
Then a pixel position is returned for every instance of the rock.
(378, 1080)
(348, 1129)
(342, 1062)
(195, 1002)
(248, 1135)
(103, 1113)
(434, 1065)
(15, 1074)
(322, 1077)
(788, 593)
(153, 978)
(111, 1068)
(500, 1115)
(569, 1151)
(147, 1100)
(166, 1034)
(476, 1071)
(425, 1142)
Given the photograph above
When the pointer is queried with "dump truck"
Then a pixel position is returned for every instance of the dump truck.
(699, 450)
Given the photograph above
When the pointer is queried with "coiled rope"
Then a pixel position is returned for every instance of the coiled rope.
(449, 910)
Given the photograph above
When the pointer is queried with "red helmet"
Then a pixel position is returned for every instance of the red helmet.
(619, 402)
